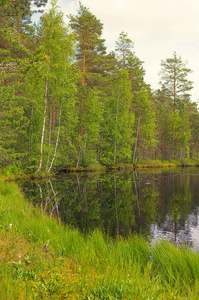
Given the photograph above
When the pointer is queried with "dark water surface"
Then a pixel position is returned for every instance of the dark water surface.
(155, 203)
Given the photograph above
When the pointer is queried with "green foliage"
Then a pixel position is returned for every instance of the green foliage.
(119, 121)
(145, 125)
(174, 80)
(51, 78)
(174, 98)
(65, 102)
(123, 48)
(90, 48)
(91, 120)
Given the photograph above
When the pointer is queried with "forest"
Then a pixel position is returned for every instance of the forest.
(65, 102)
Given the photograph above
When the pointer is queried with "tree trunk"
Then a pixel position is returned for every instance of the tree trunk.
(58, 132)
(44, 123)
(116, 120)
(84, 69)
(31, 131)
(49, 139)
(136, 143)
(53, 116)
(116, 211)
(78, 160)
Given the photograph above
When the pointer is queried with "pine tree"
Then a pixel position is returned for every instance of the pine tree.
(90, 58)
(176, 87)
(174, 82)
(164, 106)
(194, 126)
(123, 49)
(129, 61)
(90, 46)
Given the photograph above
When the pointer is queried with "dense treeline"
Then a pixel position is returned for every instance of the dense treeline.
(65, 101)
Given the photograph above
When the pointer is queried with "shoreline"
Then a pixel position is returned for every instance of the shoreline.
(42, 258)
(153, 164)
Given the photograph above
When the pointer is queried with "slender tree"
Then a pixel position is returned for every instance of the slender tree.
(90, 46)
(119, 117)
(52, 65)
(123, 49)
(90, 58)
(174, 82)
(176, 86)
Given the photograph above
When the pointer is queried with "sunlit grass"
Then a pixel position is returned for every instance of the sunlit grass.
(149, 163)
(85, 267)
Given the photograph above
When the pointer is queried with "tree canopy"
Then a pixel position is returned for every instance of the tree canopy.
(66, 102)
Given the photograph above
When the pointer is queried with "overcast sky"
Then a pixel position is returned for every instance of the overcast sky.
(157, 28)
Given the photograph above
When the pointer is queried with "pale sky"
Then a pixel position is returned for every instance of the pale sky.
(157, 28)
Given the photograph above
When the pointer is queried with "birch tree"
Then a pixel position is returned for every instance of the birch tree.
(52, 66)
(120, 121)
(145, 125)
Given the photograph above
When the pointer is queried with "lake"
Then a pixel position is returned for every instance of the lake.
(157, 203)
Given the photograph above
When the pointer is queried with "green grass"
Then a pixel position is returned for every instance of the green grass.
(149, 163)
(84, 267)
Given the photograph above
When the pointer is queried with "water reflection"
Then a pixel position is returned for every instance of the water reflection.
(161, 204)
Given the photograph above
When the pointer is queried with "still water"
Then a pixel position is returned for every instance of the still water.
(154, 203)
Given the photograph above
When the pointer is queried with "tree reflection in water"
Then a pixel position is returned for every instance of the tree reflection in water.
(155, 204)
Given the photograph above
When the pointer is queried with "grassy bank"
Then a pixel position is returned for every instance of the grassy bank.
(143, 164)
(74, 266)
(13, 172)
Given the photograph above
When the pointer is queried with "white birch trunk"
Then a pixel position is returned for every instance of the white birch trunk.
(49, 139)
(44, 123)
(41, 195)
(57, 141)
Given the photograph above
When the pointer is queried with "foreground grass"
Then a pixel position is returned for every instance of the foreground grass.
(90, 267)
